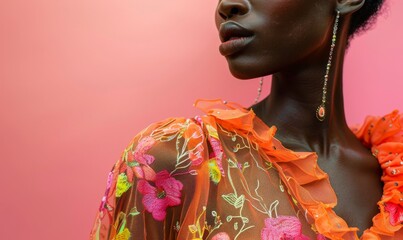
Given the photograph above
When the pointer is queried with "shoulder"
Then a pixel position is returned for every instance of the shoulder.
(182, 144)
(383, 135)
(155, 171)
(377, 130)
(166, 145)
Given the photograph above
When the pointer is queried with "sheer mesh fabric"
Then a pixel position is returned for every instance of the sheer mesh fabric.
(225, 176)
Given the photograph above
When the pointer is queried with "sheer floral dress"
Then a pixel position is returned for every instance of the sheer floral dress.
(225, 176)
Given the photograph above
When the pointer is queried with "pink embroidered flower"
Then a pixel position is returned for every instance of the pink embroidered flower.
(196, 155)
(218, 153)
(142, 147)
(283, 228)
(142, 171)
(138, 162)
(108, 187)
(165, 193)
(396, 213)
(221, 236)
(145, 172)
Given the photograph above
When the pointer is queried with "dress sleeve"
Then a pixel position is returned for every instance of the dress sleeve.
(149, 187)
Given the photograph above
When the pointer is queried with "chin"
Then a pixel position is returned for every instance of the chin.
(244, 69)
(241, 75)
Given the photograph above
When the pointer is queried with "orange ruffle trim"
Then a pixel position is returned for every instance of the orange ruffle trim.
(308, 184)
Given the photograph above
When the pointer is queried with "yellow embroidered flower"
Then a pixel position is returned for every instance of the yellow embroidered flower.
(123, 235)
(215, 173)
(122, 184)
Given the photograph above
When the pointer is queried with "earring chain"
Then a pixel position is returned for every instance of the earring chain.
(321, 110)
(259, 90)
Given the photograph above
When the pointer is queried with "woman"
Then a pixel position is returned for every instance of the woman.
(227, 175)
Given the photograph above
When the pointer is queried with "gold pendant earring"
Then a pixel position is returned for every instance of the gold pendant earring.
(321, 110)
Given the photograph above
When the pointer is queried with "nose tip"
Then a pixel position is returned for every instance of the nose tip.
(230, 8)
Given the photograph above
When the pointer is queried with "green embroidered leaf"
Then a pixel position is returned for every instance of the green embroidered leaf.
(133, 164)
(245, 219)
(239, 201)
(134, 212)
(229, 218)
(232, 164)
(122, 185)
(122, 217)
(230, 198)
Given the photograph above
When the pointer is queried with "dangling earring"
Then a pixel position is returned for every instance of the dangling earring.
(259, 90)
(321, 110)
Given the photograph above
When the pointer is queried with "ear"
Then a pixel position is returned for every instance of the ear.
(349, 6)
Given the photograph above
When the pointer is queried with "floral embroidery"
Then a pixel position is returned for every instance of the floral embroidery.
(123, 235)
(216, 146)
(122, 185)
(221, 236)
(218, 152)
(196, 155)
(283, 228)
(108, 187)
(166, 193)
(143, 171)
(242, 146)
(199, 230)
(134, 212)
(215, 174)
(396, 213)
(137, 163)
(143, 146)
(177, 226)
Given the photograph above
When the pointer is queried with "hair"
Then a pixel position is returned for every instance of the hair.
(365, 18)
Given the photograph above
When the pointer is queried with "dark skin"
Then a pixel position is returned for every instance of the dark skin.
(291, 41)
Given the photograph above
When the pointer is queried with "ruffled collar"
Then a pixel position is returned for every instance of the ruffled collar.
(303, 177)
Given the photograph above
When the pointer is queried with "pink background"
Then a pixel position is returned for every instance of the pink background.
(79, 78)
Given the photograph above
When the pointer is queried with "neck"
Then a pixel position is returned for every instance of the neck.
(296, 95)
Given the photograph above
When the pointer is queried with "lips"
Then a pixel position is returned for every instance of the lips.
(234, 38)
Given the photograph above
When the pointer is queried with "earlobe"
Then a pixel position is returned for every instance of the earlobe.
(349, 6)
